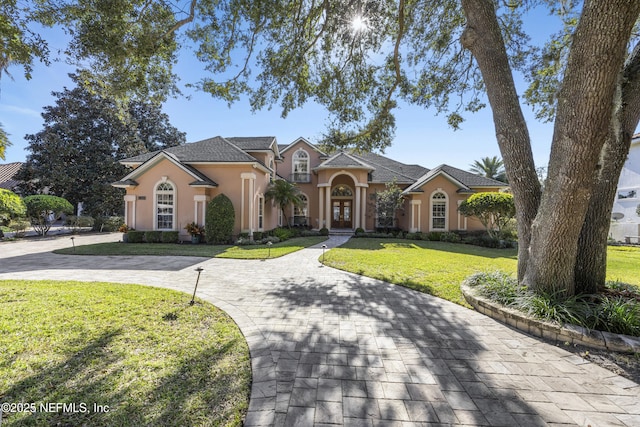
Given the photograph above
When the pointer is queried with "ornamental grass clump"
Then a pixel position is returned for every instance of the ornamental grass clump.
(616, 309)
(497, 286)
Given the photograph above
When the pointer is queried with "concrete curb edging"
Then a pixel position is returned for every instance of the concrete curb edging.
(572, 334)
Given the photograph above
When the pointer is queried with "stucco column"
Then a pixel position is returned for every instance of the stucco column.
(320, 206)
(358, 209)
(252, 186)
(130, 198)
(415, 217)
(327, 200)
(200, 203)
(363, 211)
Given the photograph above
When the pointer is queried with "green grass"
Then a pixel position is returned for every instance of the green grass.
(277, 249)
(438, 268)
(129, 249)
(623, 264)
(144, 352)
(187, 249)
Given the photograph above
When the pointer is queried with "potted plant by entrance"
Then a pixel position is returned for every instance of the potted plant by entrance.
(195, 231)
(124, 229)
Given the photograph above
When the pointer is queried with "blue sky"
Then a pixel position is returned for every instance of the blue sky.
(421, 136)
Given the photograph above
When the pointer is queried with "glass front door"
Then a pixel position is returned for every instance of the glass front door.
(341, 214)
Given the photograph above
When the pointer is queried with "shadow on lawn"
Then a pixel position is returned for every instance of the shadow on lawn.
(369, 350)
(457, 248)
(194, 391)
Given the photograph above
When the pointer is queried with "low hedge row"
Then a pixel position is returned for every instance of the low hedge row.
(152, 236)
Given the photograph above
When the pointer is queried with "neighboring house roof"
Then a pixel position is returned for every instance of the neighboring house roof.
(7, 175)
(467, 181)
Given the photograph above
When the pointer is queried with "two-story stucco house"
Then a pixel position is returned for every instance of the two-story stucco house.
(170, 188)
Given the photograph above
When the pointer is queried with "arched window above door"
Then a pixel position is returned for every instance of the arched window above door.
(341, 190)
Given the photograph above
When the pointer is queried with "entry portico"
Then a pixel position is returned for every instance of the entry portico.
(342, 191)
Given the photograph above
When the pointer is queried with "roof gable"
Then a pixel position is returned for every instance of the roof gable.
(465, 181)
(344, 160)
(301, 140)
(200, 179)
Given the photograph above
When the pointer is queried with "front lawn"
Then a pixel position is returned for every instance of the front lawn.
(118, 355)
(277, 249)
(187, 249)
(438, 268)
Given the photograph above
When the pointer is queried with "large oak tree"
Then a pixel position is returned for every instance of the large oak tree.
(76, 154)
(358, 57)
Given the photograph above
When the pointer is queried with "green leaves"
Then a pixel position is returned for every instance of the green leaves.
(494, 210)
(11, 205)
(75, 155)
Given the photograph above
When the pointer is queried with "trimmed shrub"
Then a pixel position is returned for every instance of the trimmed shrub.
(19, 227)
(170, 237)
(416, 236)
(309, 233)
(359, 230)
(450, 237)
(257, 235)
(220, 220)
(153, 236)
(434, 236)
(324, 231)
(76, 222)
(39, 208)
(135, 236)
(107, 224)
(283, 233)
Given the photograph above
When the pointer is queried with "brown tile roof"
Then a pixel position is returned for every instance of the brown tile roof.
(7, 175)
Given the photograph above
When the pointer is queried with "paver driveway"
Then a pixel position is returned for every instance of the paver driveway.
(329, 347)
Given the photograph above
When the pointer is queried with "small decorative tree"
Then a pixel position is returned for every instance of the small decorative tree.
(220, 220)
(387, 203)
(11, 206)
(494, 210)
(40, 208)
(284, 194)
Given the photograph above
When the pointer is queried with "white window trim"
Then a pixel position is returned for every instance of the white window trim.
(260, 213)
(446, 210)
(164, 180)
(295, 159)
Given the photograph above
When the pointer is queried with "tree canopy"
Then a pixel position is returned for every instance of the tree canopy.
(490, 167)
(445, 54)
(76, 154)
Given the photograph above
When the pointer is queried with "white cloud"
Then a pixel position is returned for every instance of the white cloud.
(20, 110)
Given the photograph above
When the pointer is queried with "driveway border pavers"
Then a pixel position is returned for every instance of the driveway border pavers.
(333, 348)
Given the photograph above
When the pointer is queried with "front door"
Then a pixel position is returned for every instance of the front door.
(341, 215)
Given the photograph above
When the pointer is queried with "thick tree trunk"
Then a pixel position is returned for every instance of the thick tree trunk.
(548, 245)
(483, 38)
(590, 269)
(585, 109)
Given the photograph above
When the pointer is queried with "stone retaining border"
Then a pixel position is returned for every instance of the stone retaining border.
(572, 334)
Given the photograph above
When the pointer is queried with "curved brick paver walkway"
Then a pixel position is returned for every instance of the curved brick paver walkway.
(332, 348)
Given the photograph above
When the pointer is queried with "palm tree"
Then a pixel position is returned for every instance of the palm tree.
(490, 167)
(284, 194)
